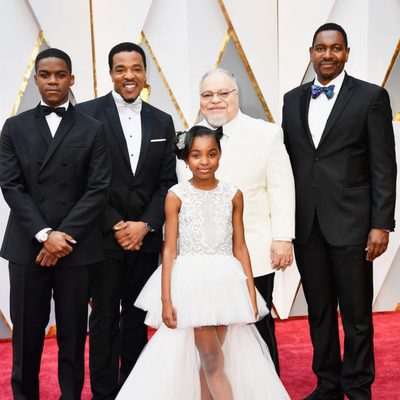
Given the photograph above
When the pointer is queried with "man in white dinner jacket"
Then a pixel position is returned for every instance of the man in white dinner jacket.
(254, 158)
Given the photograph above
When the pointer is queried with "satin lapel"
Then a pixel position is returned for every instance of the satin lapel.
(344, 96)
(43, 127)
(147, 126)
(65, 126)
(116, 127)
(304, 107)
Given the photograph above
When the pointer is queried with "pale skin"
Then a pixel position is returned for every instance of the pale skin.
(219, 111)
(203, 160)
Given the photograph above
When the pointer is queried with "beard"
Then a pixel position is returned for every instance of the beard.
(216, 122)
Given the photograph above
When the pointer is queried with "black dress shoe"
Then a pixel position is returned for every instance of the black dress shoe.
(316, 395)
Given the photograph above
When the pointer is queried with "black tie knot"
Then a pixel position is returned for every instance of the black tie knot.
(219, 132)
(46, 110)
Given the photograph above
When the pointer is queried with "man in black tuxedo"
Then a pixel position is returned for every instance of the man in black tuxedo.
(339, 135)
(140, 139)
(54, 173)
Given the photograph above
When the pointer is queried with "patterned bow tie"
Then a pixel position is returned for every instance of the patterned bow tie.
(46, 110)
(317, 90)
(135, 106)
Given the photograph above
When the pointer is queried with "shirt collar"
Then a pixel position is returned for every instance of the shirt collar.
(120, 101)
(338, 82)
(65, 105)
(228, 127)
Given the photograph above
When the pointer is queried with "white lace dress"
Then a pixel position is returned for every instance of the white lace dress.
(208, 287)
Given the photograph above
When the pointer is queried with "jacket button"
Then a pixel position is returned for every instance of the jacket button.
(316, 159)
(63, 201)
(40, 199)
(64, 163)
(40, 162)
(40, 180)
(63, 183)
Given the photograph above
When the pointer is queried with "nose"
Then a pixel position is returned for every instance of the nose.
(203, 160)
(129, 74)
(327, 53)
(215, 98)
(52, 79)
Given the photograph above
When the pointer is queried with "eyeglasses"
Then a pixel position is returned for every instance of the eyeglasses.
(223, 95)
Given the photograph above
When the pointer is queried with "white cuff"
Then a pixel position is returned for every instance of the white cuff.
(39, 235)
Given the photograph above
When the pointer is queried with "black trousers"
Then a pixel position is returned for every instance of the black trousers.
(117, 330)
(266, 327)
(31, 289)
(330, 276)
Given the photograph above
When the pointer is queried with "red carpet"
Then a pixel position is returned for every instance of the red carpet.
(295, 358)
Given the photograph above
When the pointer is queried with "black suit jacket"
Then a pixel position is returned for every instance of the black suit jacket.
(59, 182)
(138, 197)
(349, 181)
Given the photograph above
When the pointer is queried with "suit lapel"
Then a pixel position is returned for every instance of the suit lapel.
(65, 126)
(43, 127)
(116, 127)
(344, 96)
(147, 126)
(304, 107)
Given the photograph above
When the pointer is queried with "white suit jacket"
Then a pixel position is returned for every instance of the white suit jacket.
(254, 158)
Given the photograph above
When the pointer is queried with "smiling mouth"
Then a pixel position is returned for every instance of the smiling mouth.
(130, 85)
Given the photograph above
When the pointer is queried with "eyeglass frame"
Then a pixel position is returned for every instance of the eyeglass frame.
(223, 95)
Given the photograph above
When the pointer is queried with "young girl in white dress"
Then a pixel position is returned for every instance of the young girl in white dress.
(202, 299)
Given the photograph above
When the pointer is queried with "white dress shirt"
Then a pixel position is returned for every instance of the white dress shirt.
(129, 115)
(53, 120)
(321, 107)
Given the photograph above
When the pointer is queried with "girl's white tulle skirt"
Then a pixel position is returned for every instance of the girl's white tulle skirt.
(205, 290)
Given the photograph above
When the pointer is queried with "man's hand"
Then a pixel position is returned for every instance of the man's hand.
(57, 244)
(281, 254)
(46, 259)
(378, 240)
(130, 234)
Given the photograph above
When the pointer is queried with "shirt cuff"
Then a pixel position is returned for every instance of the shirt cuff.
(39, 235)
(282, 239)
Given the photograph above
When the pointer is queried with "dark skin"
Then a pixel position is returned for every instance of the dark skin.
(329, 55)
(54, 81)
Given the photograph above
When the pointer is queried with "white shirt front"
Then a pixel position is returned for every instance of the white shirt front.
(53, 120)
(321, 107)
(129, 115)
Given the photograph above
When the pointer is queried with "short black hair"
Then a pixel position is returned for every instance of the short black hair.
(125, 46)
(56, 53)
(184, 140)
(331, 26)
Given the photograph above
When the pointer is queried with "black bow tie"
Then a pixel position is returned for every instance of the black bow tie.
(46, 110)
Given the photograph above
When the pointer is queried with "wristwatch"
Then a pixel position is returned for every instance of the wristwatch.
(148, 227)
(43, 236)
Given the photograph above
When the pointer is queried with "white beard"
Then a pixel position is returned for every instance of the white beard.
(216, 123)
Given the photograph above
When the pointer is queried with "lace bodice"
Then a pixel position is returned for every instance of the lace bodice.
(205, 219)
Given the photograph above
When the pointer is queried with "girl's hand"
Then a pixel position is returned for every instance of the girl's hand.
(169, 315)
(255, 310)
